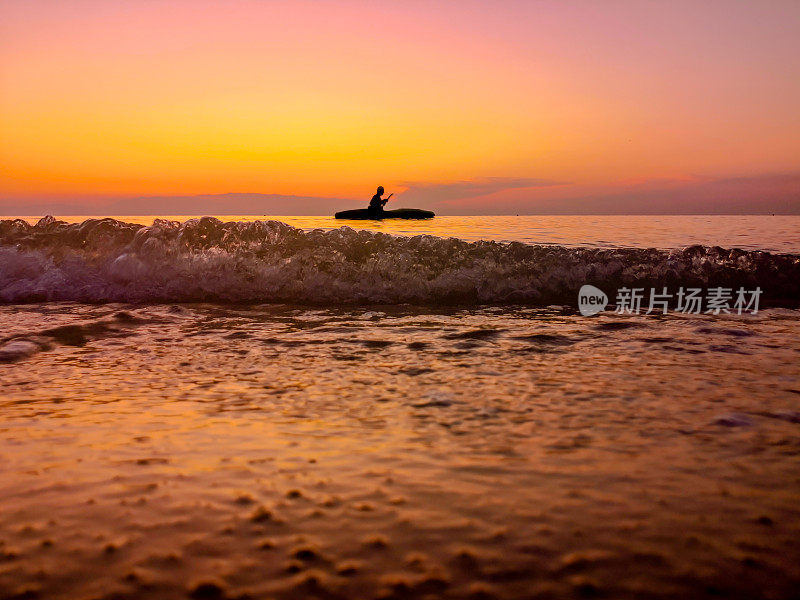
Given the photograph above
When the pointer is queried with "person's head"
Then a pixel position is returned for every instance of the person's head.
(380, 190)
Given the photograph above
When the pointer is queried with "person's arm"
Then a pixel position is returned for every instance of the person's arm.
(385, 200)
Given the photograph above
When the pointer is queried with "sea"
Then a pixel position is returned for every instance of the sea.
(465, 407)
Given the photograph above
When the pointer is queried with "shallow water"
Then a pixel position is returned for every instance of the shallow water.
(279, 451)
(750, 232)
(253, 410)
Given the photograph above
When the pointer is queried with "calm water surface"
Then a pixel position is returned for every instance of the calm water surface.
(334, 447)
(396, 452)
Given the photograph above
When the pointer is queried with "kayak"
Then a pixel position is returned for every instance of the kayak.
(397, 213)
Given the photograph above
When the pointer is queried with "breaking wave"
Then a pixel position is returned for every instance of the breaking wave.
(105, 260)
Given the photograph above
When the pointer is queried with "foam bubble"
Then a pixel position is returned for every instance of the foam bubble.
(17, 350)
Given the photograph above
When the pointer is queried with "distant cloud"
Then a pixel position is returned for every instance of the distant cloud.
(432, 194)
(777, 193)
(752, 194)
(205, 204)
(755, 194)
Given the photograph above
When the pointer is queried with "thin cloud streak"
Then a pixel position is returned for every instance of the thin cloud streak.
(433, 195)
(753, 194)
(205, 204)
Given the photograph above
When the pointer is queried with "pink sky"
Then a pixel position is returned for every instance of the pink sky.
(464, 107)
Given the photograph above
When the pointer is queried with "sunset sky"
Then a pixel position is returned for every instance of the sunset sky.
(466, 107)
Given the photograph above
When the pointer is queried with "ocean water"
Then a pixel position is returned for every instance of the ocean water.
(255, 410)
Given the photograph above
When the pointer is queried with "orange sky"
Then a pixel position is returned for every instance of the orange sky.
(104, 100)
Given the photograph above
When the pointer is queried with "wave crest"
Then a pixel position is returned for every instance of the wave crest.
(204, 259)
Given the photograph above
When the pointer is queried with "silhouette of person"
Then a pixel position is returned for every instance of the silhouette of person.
(377, 203)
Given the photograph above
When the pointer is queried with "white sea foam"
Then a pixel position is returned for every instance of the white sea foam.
(104, 260)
